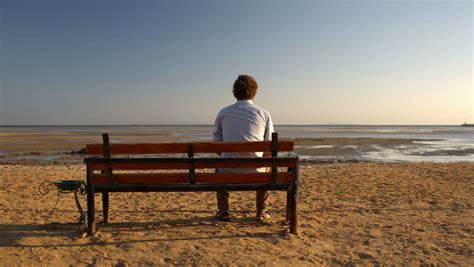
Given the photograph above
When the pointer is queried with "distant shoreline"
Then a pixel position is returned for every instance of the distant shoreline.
(210, 125)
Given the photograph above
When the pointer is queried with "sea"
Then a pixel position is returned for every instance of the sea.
(433, 143)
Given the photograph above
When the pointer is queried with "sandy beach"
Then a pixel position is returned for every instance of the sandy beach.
(350, 213)
(366, 110)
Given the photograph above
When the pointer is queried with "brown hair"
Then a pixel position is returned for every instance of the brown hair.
(245, 87)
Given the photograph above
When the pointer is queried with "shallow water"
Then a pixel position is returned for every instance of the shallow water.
(439, 143)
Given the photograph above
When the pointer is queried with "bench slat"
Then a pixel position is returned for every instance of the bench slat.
(263, 146)
(142, 178)
(185, 163)
(139, 166)
(242, 164)
(239, 178)
(200, 147)
(188, 187)
(120, 149)
(182, 178)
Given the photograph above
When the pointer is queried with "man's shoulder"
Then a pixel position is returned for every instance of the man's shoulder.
(262, 111)
(252, 108)
(226, 109)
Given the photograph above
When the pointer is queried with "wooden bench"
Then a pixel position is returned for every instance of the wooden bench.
(186, 173)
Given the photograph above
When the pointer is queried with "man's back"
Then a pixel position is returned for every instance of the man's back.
(243, 121)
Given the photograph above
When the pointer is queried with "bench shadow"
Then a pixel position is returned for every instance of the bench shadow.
(99, 211)
(22, 235)
(12, 233)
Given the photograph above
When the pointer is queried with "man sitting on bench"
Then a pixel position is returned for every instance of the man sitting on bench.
(243, 121)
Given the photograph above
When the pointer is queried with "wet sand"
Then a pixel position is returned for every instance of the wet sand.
(64, 147)
(47, 142)
(349, 213)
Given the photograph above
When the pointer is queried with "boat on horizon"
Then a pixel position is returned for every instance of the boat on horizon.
(467, 125)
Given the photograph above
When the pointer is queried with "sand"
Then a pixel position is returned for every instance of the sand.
(349, 213)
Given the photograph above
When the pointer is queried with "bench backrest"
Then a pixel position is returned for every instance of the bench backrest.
(189, 169)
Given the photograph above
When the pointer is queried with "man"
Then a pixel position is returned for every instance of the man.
(243, 121)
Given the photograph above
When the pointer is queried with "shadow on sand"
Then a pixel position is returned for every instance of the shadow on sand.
(71, 235)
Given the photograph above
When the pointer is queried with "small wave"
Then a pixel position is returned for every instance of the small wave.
(414, 155)
(316, 146)
(351, 146)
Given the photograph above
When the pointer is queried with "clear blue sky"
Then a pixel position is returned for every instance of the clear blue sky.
(167, 62)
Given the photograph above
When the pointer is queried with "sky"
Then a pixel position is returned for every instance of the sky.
(174, 62)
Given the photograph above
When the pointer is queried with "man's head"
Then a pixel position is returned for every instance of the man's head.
(245, 87)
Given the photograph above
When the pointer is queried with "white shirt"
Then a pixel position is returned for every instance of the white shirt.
(243, 121)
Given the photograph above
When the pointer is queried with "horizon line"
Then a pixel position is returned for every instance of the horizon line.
(188, 124)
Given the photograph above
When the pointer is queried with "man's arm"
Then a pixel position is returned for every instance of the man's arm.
(268, 128)
(268, 133)
(217, 134)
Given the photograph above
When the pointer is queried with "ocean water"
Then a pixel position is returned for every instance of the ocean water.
(455, 133)
(449, 143)
(436, 143)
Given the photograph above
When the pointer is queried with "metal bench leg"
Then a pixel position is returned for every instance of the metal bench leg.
(105, 206)
(293, 211)
(90, 206)
(90, 213)
(288, 205)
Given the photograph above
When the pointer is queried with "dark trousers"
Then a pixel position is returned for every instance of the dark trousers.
(223, 200)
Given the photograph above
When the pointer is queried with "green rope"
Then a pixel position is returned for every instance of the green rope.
(54, 208)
